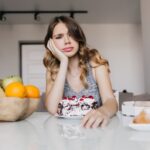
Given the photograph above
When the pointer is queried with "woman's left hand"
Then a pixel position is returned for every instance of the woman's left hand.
(95, 118)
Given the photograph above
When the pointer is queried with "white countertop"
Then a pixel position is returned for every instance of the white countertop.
(43, 132)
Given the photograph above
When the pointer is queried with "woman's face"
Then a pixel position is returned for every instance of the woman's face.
(63, 41)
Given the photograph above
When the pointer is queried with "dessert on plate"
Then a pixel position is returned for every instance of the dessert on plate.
(74, 106)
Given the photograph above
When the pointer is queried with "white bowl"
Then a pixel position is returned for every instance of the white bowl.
(133, 108)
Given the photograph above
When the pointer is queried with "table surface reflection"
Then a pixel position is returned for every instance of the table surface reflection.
(44, 132)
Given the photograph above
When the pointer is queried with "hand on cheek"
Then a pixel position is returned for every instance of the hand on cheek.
(55, 51)
(95, 118)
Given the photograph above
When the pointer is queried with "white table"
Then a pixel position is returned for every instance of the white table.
(43, 132)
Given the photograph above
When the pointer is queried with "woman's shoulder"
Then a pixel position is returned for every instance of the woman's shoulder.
(94, 64)
(96, 59)
(96, 67)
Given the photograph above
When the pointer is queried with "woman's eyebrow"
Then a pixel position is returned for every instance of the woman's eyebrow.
(58, 34)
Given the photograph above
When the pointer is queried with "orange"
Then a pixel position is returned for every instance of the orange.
(32, 91)
(15, 89)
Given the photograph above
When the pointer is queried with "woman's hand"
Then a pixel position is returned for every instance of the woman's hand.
(55, 51)
(96, 118)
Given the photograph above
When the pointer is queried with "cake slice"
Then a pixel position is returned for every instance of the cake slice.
(76, 107)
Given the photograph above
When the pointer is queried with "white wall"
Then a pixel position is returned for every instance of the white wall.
(145, 10)
(119, 43)
(10, 35)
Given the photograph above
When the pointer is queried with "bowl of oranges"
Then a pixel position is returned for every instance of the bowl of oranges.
(17, 101)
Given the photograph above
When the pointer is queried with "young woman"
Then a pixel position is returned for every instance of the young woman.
(74, 69)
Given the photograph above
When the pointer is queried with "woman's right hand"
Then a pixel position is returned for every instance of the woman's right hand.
(56, 52)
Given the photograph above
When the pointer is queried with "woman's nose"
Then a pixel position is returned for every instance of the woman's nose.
(67, 39)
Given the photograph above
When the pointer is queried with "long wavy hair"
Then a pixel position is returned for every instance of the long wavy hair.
(84, 53)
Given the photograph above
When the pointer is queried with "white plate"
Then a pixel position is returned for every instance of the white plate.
(69, 117)
(140, 127)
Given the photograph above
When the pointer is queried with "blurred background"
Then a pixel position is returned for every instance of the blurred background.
(119, 29)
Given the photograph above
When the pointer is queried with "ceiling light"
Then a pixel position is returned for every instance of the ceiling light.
(36, 16)
(2, 17)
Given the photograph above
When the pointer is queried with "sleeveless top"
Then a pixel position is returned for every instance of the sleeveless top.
(92, 89)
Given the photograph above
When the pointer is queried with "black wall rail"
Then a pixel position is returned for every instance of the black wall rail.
(37, 13)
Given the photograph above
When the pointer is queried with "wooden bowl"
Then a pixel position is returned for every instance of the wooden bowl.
(14, 109)
(32, 107)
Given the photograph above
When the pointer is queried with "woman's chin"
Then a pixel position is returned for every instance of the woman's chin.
(70, 54)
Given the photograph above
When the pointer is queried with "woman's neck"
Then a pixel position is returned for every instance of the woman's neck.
(73, 64)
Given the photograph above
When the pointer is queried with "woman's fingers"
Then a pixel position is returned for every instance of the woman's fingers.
(89, 119)
(90, 122)
(49, 45)
(53, 45)
(55, 51)
(104, 123)
(94, 119)
(85, 119)
(97, 123)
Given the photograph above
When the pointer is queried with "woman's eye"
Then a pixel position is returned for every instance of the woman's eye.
(58, 36)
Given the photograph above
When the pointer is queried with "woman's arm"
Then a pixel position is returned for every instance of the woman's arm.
(55, 89)
(101, 116)
(106, 92)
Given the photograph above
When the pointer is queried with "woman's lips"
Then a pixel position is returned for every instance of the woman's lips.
(67, 49)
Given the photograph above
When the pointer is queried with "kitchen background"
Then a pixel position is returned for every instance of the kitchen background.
(119, 29)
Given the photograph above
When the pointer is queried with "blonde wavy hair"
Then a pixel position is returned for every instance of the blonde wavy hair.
(85, 54)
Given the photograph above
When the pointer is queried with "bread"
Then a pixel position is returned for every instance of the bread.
(142, 118)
